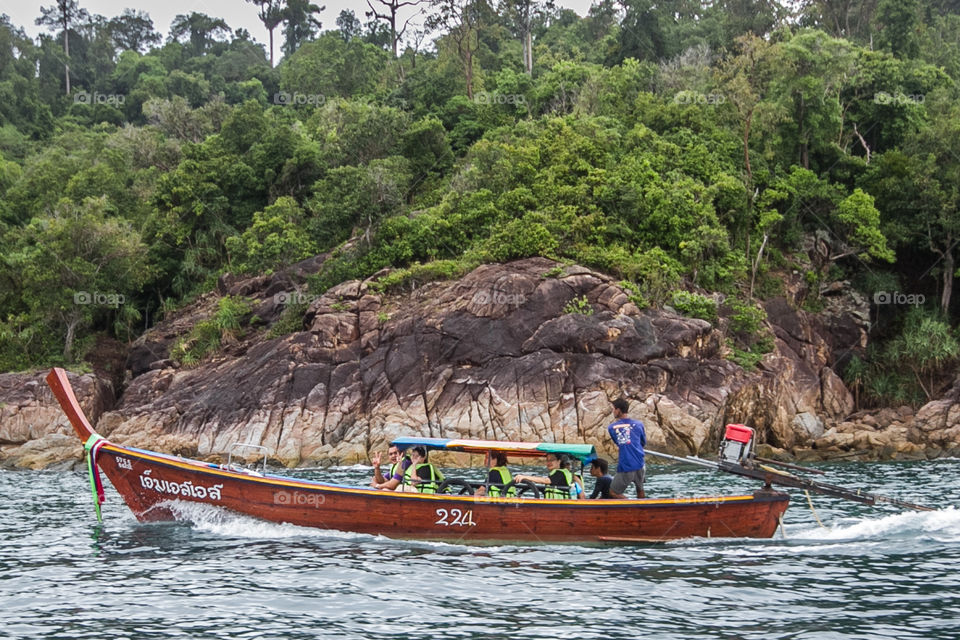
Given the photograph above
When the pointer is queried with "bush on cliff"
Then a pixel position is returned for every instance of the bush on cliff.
(208, 335)
(912, 368)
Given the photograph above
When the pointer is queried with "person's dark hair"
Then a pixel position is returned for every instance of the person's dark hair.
(500, 457)
(421, 450)
(601, 464)
(621, 405)
(564, 460)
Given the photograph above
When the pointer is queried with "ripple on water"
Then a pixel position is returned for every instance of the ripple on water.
(868, 573)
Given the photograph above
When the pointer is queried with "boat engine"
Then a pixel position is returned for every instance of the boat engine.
(737, 444)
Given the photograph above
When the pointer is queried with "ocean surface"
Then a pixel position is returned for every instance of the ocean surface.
(868, 572)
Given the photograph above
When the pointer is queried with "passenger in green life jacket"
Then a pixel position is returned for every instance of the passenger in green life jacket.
(421, 476)
(497, 476)
(560, 481)
(399, 463)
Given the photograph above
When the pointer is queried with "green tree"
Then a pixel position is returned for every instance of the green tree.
(63, 16)
(426, 146)
(462, 21)
(329, 67)
(850, 19)
(348, 25)
(897, 22)
(860, 223)
(642, 35)
(388, 13)
(351, 200)
(200, 30)
(274, 240)
(133, 31)
(746, 79)
(75, 265)
(271, 14)
(918, 188)
(521, 16)
(301, 26)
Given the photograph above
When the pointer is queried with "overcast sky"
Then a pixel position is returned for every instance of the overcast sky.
(237, 13)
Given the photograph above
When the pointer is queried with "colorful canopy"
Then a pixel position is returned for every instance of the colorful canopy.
(586, 453)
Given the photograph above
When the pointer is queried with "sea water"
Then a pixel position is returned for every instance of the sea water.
(866, 572)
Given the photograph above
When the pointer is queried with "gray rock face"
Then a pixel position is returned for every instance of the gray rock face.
(491, 355)
(34, 432)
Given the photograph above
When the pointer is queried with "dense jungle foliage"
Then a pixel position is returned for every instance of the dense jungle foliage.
(688, 148)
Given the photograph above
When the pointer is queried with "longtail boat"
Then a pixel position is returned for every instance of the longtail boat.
(151, 483)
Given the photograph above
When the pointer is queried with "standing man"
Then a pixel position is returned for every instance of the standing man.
(631, 438)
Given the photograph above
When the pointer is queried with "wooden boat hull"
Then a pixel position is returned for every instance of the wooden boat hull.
(150, 483)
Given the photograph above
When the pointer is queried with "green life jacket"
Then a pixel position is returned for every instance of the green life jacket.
(555, 492)
(505, 478)
(397, 467)
(424, 486)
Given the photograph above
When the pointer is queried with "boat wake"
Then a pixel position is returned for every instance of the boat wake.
(221, 522)
(939, 526)
(228, 524)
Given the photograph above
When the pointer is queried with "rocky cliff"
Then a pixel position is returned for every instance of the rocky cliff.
(500, 353)
(34, 432)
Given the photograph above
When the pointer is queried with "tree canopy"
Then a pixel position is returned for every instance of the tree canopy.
(712, 146)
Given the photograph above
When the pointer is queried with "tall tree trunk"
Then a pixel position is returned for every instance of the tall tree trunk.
(804, 145)
(271, 47)
(468, 71)
(66, 63)
(756, 265)
(528, 52)
(746, 148)
(68, 346)
(393, 35)
(948, 268)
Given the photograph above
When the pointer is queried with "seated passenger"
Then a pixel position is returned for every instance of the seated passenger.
(576, 488)
(559, 481)
(598, 470)
(497, 477)
(399, 463)
(421, 476)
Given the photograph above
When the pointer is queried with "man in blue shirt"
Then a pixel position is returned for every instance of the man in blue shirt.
(631, 438)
